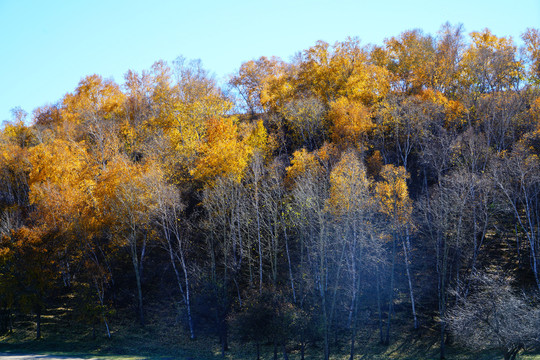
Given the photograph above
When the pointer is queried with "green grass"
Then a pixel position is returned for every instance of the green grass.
(163, 339)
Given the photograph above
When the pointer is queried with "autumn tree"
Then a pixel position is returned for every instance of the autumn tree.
(531, 37)
(352, 207)
(489, 64)
(309, 174)
(250, 81)
(126, 202)
(411, 61)
(168, 215)
(395, 204)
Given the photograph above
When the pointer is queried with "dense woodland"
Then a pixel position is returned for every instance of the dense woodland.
(350, 187)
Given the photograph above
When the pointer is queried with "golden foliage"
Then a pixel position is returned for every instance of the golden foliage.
(490, 64)
(349, 186)
(93, 98)
(222, 153)
(393, 195)
(350, 121)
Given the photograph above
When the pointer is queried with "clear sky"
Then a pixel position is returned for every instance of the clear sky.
(47, 46)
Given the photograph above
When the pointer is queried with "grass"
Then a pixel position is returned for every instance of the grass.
(164, 339)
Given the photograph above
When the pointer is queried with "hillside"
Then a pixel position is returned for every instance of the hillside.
(356, 201)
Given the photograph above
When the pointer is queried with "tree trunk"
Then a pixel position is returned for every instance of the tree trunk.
(302, 345)
(411, 294)
(139, 292)
(325, 325)
(10, 322)
(379, 307)
(353, 337)
(188, 303)
(224, 337)
(289, 263)
(511, 354)
(38, 323)
(354, 328)
(285, 355)
(391, 292)
(107, 327)
(443, 345)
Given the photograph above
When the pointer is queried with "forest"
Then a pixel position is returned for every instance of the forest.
(352, 190)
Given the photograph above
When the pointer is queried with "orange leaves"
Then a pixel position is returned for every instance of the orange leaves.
(14, 169)
(343, 70)
(16, 132)
(61, 182)
(316, 164)
(454, 110)
(93, 98)
(223, 153)
(303, 163)
(350, 121)
(278, 88)
(125, 196)
(535, 109)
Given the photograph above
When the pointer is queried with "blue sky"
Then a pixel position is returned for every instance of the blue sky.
(47, 46)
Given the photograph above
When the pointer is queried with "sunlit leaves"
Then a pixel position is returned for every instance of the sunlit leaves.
(393, 195)
(531, 37)
(490, 64)
(251, 79)
(61, 182)
(350, 121)
(93, 98)
(411, 60)
(223, 153)
(349, 186)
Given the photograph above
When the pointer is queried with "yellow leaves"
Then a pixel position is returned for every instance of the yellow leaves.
(312, 164)
(306, 119)
(393, 195)
(411, 59)
(349, 186)
(350, 121)
(342, 71)
(535, 109)
(61, 184)
(93, 98)
(18, 133)
(327, 73)
(278, 88)
(222, 153)
(257, 137)
(454, 110)
(303, 162)
(58, 161)
(61, 164)
(490, 64)
(182, 109)
(125, 194)
(531, 37)
(368, 84)
(252, 78)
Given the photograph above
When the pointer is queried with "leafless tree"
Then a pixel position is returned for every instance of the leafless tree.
(495, 316)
